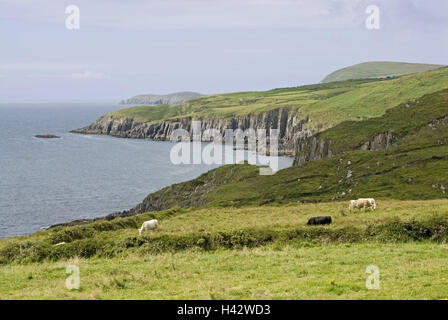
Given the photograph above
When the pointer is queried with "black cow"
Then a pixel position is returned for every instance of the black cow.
(319, 220)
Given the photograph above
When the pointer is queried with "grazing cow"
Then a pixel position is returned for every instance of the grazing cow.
(148, 225)
(372, 203)
(362, 203)
(319, 220)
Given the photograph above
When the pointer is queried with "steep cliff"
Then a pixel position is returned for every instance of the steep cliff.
(316, 148)
(289, 123)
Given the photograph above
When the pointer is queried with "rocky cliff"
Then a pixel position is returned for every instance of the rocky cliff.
(290, 123)
(316, 148)
(154, 99)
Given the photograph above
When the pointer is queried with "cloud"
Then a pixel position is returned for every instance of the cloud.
(207, 15)
(89, 75)
(75, 75)
(47, 66)
(193, 14)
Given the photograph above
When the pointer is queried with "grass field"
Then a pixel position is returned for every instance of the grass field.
(292, 271)
(378, 70)
(284, 259)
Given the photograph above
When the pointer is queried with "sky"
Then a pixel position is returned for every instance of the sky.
(125, 48)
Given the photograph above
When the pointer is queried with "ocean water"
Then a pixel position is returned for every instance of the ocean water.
(49, 181)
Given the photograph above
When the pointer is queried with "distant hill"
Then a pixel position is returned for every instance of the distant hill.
(368, 70)
(153, 99)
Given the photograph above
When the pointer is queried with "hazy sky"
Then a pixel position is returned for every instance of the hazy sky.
(124, 48)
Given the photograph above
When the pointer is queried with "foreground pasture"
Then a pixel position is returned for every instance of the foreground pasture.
(239, 253)
(293, 271)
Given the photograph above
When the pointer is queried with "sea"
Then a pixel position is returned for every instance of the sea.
(49, 181)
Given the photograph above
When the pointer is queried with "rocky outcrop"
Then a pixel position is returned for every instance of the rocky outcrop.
(382, 141)
(316, 148)
(154, 99)
(312, 149)
(290, 123)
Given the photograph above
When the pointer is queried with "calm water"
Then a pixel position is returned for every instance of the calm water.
(49, 181)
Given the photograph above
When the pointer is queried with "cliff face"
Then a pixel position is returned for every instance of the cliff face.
(289, 123)
(312, 149)
(316, 148)
(382, 141)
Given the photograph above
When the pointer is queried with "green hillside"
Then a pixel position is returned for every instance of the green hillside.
(368, 70)
(420, 121)
(326, 104)
(414, 169)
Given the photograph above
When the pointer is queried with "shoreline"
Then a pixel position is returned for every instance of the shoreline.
(280, 153)
(127, 212)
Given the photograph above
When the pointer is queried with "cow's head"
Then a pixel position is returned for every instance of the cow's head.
(352, 204)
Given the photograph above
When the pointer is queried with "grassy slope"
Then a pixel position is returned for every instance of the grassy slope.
(326, 104)
(378, 70)
(408, 122)
(166, 264)
(299, 271)
(241, 103)
(213, 228)
(421, 155)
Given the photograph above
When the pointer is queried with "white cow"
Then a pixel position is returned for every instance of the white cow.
(148, 225)
(362, 203)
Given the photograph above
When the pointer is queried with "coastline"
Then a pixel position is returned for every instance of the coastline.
(143, 206)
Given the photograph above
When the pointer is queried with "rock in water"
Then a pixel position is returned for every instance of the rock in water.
(46, 136)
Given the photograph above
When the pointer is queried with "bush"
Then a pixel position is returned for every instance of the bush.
(86, 241)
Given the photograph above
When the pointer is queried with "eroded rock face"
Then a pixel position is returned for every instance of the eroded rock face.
(289, 123)
(312, 149)
(382, 141)
(315, 148)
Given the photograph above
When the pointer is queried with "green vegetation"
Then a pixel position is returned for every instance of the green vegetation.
(149, 114)
(326, 104)
(378, 70)
(406, 172)
(210, 229)
(294, 271)
(247, 253)
(420, 122)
